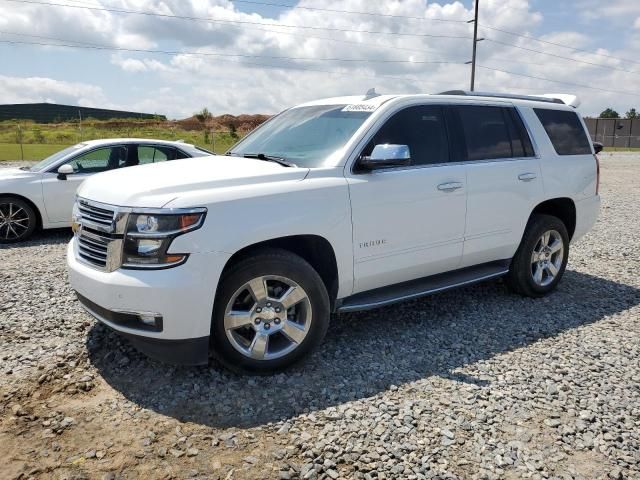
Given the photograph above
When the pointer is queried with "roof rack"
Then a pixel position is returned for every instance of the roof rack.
(502, 95)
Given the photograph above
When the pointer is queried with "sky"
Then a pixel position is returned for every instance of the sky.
(175, 57)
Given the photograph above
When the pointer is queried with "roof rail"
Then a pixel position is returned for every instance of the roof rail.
(502, 95)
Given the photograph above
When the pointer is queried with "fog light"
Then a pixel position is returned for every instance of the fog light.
(149, 318)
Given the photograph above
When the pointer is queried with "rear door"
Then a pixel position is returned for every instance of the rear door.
(504, 182)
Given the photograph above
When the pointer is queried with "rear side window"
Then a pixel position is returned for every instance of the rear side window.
(422, 128)
(486, 132)
(565, 131)
(155, 154)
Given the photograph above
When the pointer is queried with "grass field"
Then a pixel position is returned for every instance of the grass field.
(11, 151)
(38, 151)
(41, 140)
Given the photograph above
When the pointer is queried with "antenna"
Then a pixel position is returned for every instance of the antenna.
(371, 93)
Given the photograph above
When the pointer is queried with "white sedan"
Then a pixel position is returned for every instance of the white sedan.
(42, 196)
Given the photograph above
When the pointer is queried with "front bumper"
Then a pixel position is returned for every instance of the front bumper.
(182, 297)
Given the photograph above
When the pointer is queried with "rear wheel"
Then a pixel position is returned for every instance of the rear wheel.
(17, 220)
(271, 310)
(541, 258)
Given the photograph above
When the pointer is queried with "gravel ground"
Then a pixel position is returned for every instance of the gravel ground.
(473, 383)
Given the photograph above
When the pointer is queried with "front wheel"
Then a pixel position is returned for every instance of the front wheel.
(541, 258)
(271, 310)
(17, 220)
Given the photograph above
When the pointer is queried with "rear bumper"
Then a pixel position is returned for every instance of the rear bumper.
(587, 212)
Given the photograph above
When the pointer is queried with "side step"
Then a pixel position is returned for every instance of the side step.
(423, 286)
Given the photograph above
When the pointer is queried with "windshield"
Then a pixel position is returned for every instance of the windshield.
(43, 164)
(305, 136)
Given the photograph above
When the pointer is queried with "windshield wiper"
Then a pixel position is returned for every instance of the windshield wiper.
(269, 158)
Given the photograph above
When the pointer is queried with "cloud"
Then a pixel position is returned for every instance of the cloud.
(137, 65)
(238, 65)
(41, 89)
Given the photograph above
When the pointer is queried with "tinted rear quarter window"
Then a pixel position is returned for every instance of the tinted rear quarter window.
(565, 131)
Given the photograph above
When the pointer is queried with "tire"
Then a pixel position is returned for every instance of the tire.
(529, 275)
(293, 316)
(18, 220)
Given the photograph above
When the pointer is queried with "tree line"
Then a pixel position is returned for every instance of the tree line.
(611, 113)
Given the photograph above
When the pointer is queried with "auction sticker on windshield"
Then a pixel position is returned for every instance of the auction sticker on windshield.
(360, 107)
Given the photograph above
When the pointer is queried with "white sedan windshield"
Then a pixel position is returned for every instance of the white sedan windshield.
(305, 136)
(43, 164)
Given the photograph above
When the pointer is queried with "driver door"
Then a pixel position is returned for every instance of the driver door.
(408, 222)
(59, 193)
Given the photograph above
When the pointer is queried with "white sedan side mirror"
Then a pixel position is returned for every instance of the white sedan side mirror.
(64, 170)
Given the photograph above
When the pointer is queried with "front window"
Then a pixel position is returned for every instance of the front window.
(100, 160)
(305, 136)
(50, 160)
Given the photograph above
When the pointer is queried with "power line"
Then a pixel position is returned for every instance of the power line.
(303, 35)
(619, 92)
(94, 46)
(562, 57)
(538, 39)
(529, 37)
(307, 36)
(294, 67)
(240, 22)
(225, 58)
(319, 9)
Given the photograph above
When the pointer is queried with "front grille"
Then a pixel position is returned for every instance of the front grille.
(93, 247)
(101, 216)
(99, 233)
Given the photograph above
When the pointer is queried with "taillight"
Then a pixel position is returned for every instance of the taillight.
(597, 173)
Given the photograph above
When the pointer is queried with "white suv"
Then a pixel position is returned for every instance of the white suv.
(336, 205)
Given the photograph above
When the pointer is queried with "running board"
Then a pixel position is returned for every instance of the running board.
(423, 286)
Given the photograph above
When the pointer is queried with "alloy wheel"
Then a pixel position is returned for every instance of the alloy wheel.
(14, 221)
(268, 317)
(547, 258)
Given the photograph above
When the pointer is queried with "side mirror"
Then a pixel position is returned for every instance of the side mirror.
(64, 170)
(386, 155)
(597, 147)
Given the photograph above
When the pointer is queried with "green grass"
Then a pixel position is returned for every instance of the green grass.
(38, 151)
(41, 140)
(620, 149)
(11, 151)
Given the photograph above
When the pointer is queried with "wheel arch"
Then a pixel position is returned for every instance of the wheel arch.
(563, 208)
(39, 218)
(315, 249)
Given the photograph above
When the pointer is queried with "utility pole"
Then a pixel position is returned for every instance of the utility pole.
(475, 44)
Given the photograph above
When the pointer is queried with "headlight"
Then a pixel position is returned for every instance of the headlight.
(149, 235)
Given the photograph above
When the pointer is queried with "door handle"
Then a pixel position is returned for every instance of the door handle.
(449, 186)
(527, 177)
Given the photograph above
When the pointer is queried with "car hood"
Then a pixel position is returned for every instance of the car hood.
(15, 173)
(155, 185)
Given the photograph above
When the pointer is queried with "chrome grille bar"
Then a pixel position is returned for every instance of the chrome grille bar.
(98, 243)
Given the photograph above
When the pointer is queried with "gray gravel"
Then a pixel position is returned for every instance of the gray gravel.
(473, 383)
